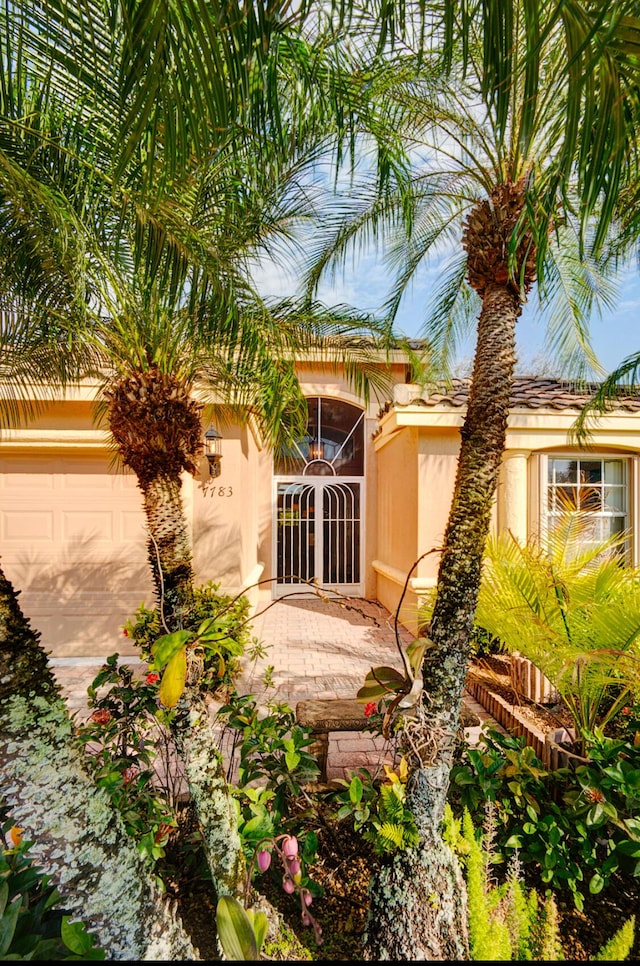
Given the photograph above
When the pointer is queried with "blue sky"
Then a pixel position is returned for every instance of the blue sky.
(364, 286)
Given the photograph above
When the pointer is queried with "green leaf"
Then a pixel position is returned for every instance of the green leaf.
(260, 927)
(235, 930)
(169, 644)
(356, 788)
(380, 681)
(292, 758)
(596, 884)
(415, 653)
(8, 925)
(173, 679)
(79, 941)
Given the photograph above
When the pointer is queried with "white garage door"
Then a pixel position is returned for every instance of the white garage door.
(72, 541)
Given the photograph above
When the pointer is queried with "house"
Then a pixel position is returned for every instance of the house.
(364, 496)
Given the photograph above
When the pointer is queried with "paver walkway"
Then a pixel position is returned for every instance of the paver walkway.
(312, 649)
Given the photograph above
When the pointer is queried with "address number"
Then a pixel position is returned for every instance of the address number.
(222, 491)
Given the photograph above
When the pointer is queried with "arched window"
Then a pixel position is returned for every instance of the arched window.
(333, 444)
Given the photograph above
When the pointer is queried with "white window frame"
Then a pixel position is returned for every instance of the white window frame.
(631, 470)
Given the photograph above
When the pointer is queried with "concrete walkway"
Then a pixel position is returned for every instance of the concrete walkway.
(311, 648)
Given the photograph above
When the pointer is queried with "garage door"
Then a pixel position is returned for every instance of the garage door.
(72, 540)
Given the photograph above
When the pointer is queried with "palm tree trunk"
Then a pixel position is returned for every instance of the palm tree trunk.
(79, 838)
(418, 901)
(196, 742)
(482, 448)
(169, 546)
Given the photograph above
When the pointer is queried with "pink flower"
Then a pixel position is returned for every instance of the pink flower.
(287, 885)
(290, 846)
(264, 860)
(370, 708)
(152, 677)
(294, 867)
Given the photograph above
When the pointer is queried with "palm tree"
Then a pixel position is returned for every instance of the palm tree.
(155, 260)
(142, 234)
(499, 174)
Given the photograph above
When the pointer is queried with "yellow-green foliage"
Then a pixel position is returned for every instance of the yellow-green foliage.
(505, 922)
(545, 940)
(620, 944)
(488, 934)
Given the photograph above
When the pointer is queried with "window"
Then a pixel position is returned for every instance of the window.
(597, 486)
(333, 444)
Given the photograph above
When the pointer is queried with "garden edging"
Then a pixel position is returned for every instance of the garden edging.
(509, 717)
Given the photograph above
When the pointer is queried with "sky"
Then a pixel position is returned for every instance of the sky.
(364, 286)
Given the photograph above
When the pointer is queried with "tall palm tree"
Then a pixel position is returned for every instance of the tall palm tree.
(501, 177)
(153, 256)
(142, 233)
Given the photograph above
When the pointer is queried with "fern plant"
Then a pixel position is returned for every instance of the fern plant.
(574, 613)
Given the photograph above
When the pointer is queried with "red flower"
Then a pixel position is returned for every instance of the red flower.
(370, 708)
(594, 795)
(162, 834)
(152, 677)
(102, 716)
(125, 632)
(626, 710)
(129, 774)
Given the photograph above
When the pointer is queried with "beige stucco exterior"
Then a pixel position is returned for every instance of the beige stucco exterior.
(72, 530)
(425, 440)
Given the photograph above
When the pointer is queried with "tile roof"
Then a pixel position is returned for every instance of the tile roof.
(528, 392)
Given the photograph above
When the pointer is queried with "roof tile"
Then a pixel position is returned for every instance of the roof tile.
(528, 392)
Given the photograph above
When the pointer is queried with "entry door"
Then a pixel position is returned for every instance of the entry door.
(318, 526)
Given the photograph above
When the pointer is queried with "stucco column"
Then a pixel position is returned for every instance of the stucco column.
(513, 504)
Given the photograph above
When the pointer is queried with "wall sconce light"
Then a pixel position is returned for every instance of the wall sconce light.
(213, 450)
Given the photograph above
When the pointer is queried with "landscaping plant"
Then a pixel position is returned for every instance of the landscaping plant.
(571, 608)
(206, 649)
(574, 827)
(130, 754)
(507, 921)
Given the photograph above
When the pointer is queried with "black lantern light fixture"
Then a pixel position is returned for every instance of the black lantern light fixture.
(213, 450)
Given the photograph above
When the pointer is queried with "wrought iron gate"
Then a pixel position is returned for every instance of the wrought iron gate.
(318, 527)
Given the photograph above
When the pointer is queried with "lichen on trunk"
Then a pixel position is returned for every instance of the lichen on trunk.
(196, 742)
(79, 838)
(417, 897)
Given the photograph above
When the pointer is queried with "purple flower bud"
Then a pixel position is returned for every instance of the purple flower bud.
(308, 898)
(264, 860)
(287, 885)
(290, 846)
(294, 866)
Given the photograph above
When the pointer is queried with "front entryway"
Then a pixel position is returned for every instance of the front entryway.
(318, 534)
(318, 503)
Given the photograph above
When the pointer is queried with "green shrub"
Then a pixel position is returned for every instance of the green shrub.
(121, 739)
(506, 922)
(576, 826)
(378, 808)
(229, 616)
